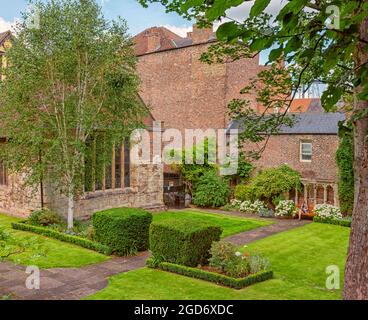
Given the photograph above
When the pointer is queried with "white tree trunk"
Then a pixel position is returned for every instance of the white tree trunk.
(70, 210)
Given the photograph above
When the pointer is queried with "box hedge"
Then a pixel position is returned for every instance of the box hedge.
(124, 230)
(338, 222)
(85, 243)
(185, 242)
(236, 283)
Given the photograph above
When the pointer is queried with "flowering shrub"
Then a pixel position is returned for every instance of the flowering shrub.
(327, 211)
(252, 207)
(235, 203)
(285, 208)
(226, 259)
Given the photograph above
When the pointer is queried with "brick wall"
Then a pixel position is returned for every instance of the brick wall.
(283, 149)
(186, 93)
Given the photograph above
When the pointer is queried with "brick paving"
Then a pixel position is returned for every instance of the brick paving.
(66, 283)
(76, 283)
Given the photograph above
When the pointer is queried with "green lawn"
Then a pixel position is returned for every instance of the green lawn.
(230, 224)
(56, 253)
(299, 258)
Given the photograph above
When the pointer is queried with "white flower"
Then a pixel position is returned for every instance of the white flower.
(238, 254)
(252, 207)
(327, 211)
(285, 208)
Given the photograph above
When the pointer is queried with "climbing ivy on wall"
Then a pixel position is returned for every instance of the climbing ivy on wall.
(344, 160)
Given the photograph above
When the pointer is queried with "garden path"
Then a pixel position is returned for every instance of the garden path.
(76, 283)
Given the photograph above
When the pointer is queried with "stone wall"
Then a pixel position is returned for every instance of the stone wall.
(146, 191)
(18, 199)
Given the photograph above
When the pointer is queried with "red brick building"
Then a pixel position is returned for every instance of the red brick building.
(186, 93)
(181, 90)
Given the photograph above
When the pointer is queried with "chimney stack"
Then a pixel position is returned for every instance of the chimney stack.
(200, 35)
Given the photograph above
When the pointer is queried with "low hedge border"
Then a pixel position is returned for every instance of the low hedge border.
(211, 276)
(338, 222)
(85, 243)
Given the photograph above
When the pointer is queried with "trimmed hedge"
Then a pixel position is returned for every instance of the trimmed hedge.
(185, 242)
(212, 276)
(85, 243)
(338, 222)
(124, 230)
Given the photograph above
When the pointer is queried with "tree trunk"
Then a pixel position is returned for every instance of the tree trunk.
(356, 272)
(70, 210)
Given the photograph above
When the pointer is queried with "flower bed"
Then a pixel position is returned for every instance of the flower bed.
(285, 208)
(236, 283)
(247, 206)
(85, 243)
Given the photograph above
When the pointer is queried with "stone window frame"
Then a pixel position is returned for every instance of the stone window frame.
(301, 154)
(124, 174)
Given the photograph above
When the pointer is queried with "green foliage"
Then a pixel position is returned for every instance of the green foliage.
(344, 160)
(44, 217)
(10, 245)
(243, 192)
(74, 74)
(224, 258)
(269, 184)
(345, 222)
(85, 243)
(211, 191)
(183, 241)
(200, 162)
(212, 276)
(245, 168)
(124, 230)
(221, 252)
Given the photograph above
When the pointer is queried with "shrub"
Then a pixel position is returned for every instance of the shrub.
(243, 192)
(327, 211)
(269, 183)
(63, 237)
(211, 191)
(225, 258)
(212, 276)
(184, 242)
(44, 217)
(124, 230)
(285, 208)
(339, 222)
(221, 253)
(252, 207)
(258, 263)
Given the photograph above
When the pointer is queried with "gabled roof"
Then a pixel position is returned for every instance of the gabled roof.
(4, 36)
(308, 123)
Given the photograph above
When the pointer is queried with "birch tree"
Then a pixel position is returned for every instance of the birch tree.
(69, 79)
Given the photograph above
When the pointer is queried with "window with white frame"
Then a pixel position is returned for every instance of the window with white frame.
(305, 151)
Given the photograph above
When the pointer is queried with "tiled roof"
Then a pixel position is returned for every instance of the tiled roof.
(306, 105)
(167, 40)
(308, 123)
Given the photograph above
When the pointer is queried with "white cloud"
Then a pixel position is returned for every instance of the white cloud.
(5, 25)
(181, 31)
(241, 12)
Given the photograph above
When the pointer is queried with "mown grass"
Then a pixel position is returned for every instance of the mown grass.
(53, 253)
(299, 258)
